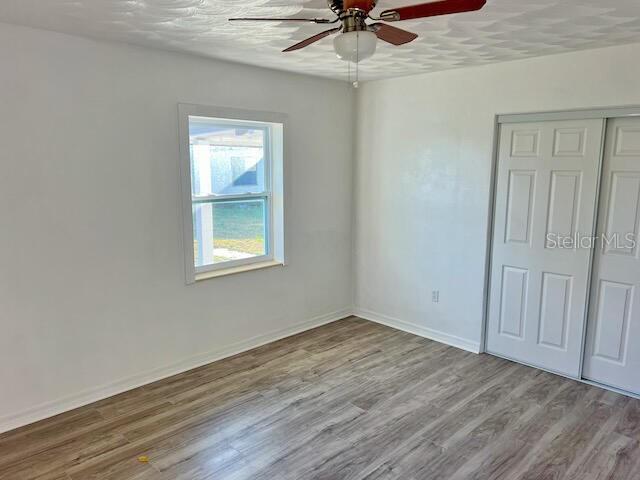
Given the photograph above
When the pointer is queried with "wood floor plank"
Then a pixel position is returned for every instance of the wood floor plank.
(556, 459)
(351, 400)
(629, 425)
(613, 457)
(499, 460)
(442, 447)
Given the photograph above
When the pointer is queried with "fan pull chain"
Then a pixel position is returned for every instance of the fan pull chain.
(355, 84)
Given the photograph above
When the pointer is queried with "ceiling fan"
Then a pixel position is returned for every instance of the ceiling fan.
(357, 39)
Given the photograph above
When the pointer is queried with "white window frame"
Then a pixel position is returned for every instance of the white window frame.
(274, 125)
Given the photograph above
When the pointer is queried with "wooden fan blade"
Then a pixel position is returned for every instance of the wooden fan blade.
(393, 35)
(433, 9)
(311, 20)
(311, 40)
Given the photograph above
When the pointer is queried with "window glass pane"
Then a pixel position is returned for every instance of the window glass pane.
(226, 159)
(230, 230)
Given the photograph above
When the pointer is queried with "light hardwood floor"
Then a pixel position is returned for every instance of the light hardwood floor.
(350, 400)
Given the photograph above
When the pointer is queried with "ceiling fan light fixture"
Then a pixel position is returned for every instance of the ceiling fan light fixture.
(355, 46)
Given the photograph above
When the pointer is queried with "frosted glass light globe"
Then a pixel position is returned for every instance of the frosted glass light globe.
(355, 46)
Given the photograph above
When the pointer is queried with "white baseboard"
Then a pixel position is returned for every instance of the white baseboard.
(61, 405)
(438, 336)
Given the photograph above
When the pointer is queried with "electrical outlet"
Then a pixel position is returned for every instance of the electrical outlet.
(435, 296)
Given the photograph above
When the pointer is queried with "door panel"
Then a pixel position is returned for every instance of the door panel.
(564, 202)
(612, 353)
(545, 192)
(520, 205)
(513, 310)
(554, 310)
(612, 320)
(622, 211)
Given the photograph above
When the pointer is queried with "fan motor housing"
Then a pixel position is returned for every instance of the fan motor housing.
(342, 6)
(352, 13)
(354, 21)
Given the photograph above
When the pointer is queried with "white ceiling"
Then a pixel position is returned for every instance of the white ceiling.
(503, 30)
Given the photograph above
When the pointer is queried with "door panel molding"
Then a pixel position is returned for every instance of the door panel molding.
(555, 310)
(614, 302)
(569, 142)
(513, 301)
(520, 197)
(622, 211)
(564, 204)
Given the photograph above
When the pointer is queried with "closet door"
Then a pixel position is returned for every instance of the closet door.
(545, 196)
(613, 341)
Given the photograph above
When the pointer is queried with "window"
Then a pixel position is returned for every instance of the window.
(231, 163)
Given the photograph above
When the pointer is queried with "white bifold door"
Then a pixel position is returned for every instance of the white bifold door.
(546, 190)
(613, 343)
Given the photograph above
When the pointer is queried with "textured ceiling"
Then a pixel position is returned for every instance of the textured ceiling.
(503, 30)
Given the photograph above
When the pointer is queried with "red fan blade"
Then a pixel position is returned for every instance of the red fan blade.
(393, 35)
(311, 40)
(433, 9)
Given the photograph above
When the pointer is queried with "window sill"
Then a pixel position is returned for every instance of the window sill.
(242, 268)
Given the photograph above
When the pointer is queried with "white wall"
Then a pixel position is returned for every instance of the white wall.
(423, 168)
(92, 289)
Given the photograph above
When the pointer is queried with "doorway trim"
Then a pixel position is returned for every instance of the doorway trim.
(575, 114)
